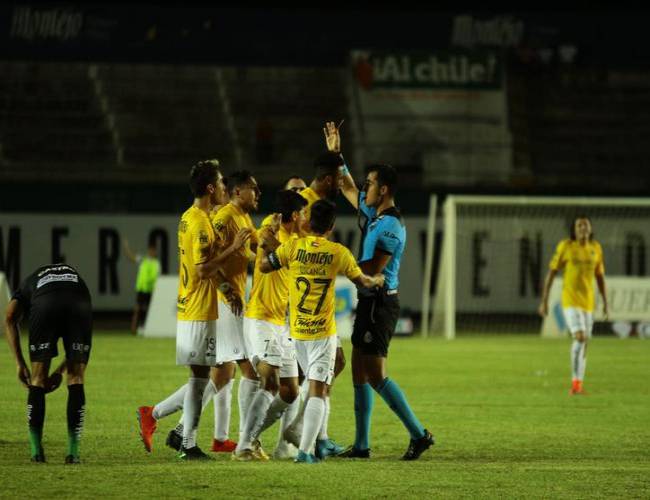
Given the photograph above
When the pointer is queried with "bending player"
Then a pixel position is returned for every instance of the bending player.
(382, 244)
(56, 302)
(581, 259)
(313, 263)
(266, 330)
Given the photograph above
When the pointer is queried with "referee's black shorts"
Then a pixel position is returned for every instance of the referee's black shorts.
(375, 323)
(60, 315)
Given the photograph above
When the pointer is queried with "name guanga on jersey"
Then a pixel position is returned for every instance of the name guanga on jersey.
(321, 258)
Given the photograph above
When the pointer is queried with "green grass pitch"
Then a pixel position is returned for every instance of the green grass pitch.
(498, 406)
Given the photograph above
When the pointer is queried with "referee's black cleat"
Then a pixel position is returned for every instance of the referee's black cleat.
(174, 440)
(419, 446)
(193, 453)
(353, 452)
(72, 460)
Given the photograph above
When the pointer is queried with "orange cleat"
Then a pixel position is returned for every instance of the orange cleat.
(148, 426)
(576, 388)
(226, 446)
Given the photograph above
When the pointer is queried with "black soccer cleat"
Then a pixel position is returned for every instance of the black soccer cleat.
(71, 460)
(353, 452)
(39, 458)
(174, 440)
(193, 453)
(419, 446)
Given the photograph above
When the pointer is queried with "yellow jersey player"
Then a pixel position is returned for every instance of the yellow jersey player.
(201, 256)
(313, 262)
(266, 330)
(231, 348)
(581, 259)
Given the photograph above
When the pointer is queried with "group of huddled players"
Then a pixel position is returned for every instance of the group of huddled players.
(286, 330)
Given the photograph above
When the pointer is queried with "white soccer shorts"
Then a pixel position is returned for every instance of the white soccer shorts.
(196, 343)
(316, 358)
(230, 340)
(271, 343)
(579, 320)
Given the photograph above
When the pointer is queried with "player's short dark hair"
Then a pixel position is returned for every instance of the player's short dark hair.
(287, 202)
(386, 176)
(322, 216)
(572, 226)
(152, 240)
(203, 173)
(237, 179)
(286, 181)
(327, 163)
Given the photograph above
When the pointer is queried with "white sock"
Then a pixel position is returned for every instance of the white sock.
(287, 416)
(245, 394)
(322, 434)
(170, 405)
(192, 410)
(582, 362)
(255, 418)
(275, 411)
(312, 421)
(208, 393)
(576, 351)
(222, 407)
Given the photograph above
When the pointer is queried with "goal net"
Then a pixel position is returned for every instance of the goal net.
(496, 251)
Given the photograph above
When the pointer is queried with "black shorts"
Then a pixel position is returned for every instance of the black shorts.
(375, 323)
(143, 299)
(60, 315)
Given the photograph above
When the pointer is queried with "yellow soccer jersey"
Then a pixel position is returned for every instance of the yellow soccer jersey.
(310, 195)
(197, 298)
(227, 222)
(580, 263)
(313, 263)
(269, 296)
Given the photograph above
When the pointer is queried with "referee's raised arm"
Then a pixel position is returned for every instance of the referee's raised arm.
(346, 182)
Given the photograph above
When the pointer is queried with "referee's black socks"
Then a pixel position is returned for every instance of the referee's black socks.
(36, 418)
(76, 413)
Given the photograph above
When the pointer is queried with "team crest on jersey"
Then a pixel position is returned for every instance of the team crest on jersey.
(203, 237)
(367, 338)
(218, 225)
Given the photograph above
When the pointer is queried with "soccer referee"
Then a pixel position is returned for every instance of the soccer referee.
(56, 303)
(383, 242)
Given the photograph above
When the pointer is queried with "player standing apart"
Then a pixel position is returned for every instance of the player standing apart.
(581, 259)
(145, 282)
(382, 245)
(56, 302)
(313, 263)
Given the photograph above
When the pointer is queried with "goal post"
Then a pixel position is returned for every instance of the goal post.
(428, 265)
(496, 251)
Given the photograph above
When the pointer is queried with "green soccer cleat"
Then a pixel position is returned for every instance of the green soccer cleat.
(327, 448)
(306, 458)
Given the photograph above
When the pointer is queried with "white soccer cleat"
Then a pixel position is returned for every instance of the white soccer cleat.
(292, 434)
(285, 450)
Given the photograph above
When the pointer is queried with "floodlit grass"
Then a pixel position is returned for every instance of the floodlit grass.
(498, 406)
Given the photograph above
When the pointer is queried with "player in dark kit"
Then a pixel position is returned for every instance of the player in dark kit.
(56, 303)
(382, 245)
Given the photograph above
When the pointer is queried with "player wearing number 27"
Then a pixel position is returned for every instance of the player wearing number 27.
(581, 259)
(313, 263)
